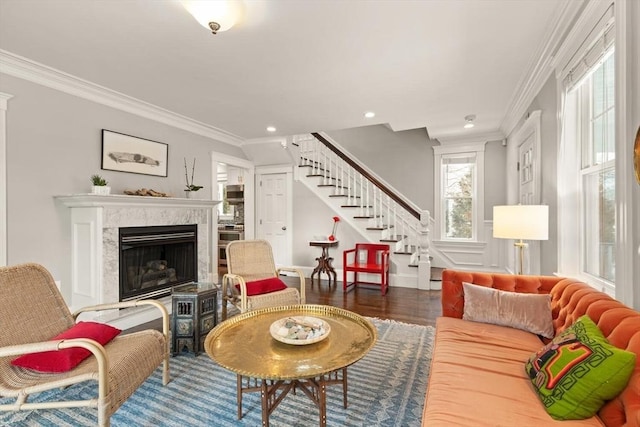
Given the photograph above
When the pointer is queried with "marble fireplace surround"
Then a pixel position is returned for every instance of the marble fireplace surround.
(95, 221)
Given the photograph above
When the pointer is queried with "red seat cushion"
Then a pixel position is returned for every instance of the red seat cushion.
(68, 358)
(264, 286)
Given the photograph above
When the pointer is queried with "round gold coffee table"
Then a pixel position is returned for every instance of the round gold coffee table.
(244, 345)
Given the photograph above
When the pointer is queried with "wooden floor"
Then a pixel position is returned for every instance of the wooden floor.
(402, 304)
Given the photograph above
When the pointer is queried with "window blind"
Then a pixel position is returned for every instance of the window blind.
(599, 44)
(462, 158)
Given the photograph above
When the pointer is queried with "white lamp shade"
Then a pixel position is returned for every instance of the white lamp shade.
(522, 222)
(224, 12)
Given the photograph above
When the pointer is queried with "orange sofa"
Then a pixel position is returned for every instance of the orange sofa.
(477, 370)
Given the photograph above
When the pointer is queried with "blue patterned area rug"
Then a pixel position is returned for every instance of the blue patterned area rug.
(386, 388)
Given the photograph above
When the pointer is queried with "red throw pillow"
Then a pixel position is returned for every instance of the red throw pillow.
(264, 286)
(68, 358)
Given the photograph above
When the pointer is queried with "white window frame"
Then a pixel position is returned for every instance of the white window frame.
(442, 151)
(592, 169)
(581, 43)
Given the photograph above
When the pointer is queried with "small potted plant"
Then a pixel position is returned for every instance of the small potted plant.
(191, 187)
(99, 185)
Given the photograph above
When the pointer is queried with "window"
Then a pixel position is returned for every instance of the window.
(225, 210)
(587, 201)
(458, 189)
(596, 122)
(459, 204)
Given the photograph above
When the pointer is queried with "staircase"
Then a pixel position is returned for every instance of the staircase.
(369, 205)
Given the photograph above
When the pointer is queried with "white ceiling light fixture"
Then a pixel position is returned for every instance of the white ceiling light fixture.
(369, 114)
(271, 129)
(469, 119)
(216, 15)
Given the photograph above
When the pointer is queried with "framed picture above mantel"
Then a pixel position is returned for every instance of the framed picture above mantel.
(126, 153)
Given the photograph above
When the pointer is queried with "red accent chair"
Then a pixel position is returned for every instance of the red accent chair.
(372, 258)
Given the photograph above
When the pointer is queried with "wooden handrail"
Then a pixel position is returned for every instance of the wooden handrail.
(386, 190)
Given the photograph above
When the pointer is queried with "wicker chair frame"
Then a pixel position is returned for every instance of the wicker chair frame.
(32, 311)
(249, 260)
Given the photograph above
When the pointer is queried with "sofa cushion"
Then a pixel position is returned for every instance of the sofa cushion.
(529, 312)
(578, 371)
(66, 359)
(476, 378)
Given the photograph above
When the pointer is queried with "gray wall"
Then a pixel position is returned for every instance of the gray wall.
(312, 217)
(546, 102)
(54, 146)
(403, 159)
(495, 184)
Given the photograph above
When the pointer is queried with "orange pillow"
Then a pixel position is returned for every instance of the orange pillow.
(68, 358)
(264, 286)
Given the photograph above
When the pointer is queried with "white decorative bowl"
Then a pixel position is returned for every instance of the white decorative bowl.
(299, 330)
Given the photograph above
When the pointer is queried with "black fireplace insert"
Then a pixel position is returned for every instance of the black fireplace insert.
(154, 259)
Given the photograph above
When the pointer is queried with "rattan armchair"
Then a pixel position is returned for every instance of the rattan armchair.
(32, 311)
(251, 260)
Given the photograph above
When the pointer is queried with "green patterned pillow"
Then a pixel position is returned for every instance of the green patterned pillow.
(577, 372)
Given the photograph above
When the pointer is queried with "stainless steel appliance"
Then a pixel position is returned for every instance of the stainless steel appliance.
(227, 233)
(235, 194)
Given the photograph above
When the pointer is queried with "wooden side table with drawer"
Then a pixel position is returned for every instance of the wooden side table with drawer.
(194, 314)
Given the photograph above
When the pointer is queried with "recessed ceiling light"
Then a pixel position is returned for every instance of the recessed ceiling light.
(271, 129)
(369, 114)
(469, 119)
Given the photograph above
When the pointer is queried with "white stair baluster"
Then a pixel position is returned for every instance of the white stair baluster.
(342, 163)
(362, 213)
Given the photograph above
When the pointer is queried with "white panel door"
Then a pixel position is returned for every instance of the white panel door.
(272, 215)
(527, 158)
(529, 182)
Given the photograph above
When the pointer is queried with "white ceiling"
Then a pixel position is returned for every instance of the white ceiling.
(298, 65)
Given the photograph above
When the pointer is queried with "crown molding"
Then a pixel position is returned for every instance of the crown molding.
(483, 137)
(26, 69)
(582, 34)
(282, 140)
(541, 65)
(461, 147)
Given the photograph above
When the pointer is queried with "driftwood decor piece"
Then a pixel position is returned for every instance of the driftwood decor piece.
(146, 192)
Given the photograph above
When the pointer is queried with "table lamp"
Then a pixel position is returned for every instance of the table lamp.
(521, 222)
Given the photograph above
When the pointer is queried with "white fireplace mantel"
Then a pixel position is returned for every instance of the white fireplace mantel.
(95, 223)
(121, 200)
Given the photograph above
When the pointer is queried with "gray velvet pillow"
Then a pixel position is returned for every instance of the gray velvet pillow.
(529, 312)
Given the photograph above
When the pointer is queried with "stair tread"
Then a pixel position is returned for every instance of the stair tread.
(391, 239)
(384, 227)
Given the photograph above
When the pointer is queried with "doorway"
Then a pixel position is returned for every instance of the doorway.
(528, 143)
(240, 168)
(274, 211)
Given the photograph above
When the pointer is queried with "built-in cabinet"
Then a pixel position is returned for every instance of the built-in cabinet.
(235, 176)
